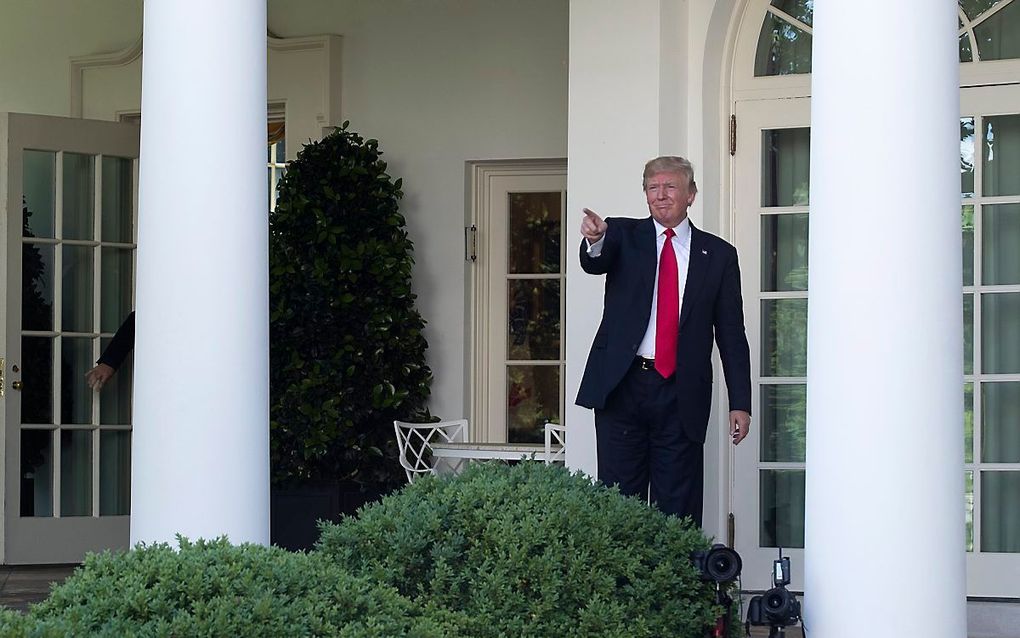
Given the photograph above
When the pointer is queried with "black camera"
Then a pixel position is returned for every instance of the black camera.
(718, 563)
(778, 607)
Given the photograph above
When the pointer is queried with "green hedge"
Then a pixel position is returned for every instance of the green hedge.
(531, 550)
(215, 589)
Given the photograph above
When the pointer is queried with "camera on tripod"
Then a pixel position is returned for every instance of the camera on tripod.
(778, 607)
(718, 563)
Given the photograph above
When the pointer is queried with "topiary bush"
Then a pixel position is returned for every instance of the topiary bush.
(531, 550)
(216, 589)
(347, 350)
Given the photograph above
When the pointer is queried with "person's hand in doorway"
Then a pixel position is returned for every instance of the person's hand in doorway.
(98, 376)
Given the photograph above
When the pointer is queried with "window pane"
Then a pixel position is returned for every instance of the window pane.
(36, 473)
(37, 376)
(967, 227)
(75, 396)
(1000, 422)
(782, 508)
(39, 187)
(116, 287)
(968, 504)
(75, 473)
(115, 399)
(968, 334)
(784, 342)
(783, 49)
(965, 53)
(533, 398)
(534, 233)
(37, 286)
(785, 166)
(998, 37)
(533, 327)
(114, 473)
(1000, 512)
(783, 422)
(1000, 245)
(1001, 161)
(76, 285)
(784, 252)
(803, 10)
(967, 157)
(118, 199)
(281, 151)
(968, 422)
(1000, 333)
(974, 8)
(79, 196)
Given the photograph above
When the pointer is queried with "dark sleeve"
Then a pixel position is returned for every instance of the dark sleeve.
(123, 343)
(732, 338)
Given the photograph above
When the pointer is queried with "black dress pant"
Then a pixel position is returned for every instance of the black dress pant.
(642, 447)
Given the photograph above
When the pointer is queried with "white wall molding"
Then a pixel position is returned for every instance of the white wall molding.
(304, 73)
(82, 64)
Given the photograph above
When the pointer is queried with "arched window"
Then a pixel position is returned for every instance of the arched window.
(784, 43)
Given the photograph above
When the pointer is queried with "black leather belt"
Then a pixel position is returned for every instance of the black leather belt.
(644, 364)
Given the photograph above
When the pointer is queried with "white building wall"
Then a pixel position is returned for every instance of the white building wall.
(440, 84)
(437, 83)
(37, 40)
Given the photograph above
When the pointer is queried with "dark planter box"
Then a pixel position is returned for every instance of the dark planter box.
(295, 511)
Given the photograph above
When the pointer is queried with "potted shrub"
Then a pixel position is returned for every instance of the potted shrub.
(347, 352)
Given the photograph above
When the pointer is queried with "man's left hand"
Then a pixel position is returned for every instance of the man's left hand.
(740, 425)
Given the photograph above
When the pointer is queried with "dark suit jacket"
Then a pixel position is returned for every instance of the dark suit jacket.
(123, 342)
(711, 306)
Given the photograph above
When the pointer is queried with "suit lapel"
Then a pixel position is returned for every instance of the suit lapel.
(696, 270)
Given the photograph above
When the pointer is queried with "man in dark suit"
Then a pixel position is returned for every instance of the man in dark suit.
(670, 288)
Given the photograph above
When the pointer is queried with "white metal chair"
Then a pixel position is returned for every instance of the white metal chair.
(414, 440)
(555, 443)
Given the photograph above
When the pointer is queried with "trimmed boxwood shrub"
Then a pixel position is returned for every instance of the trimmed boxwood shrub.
(216, 589)
(531, 550)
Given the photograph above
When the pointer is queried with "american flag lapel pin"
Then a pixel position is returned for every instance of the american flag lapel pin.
(704, 252)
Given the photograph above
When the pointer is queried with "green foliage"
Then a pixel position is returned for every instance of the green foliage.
(347, 350)
(215, 589)
(531, 550)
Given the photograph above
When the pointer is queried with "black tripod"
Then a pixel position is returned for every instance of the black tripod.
(722, 624)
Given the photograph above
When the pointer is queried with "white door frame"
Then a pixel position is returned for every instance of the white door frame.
(485, 257)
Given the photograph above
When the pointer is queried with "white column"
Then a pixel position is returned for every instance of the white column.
(884, 539)
(200, 462)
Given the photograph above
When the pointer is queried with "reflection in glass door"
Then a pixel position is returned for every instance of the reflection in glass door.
(71, 285)
(535, 282)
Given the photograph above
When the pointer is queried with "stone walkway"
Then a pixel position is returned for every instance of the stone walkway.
(23, 585)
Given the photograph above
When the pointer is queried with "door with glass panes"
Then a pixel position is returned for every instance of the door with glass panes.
(519, 286)
(69, 238)
(771, 213)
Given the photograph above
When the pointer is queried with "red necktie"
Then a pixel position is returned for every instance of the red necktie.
(667, 310)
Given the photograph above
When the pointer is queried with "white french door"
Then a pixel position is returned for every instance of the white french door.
(770, 232)
(68, 233)
(519, 285)
(771, 205)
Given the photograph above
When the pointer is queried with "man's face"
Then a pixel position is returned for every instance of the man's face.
(668, 198)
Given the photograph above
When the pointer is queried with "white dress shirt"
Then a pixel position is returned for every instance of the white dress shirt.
(682, 250)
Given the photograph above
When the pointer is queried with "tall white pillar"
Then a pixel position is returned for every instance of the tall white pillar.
(200, 462)
(885, 526)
